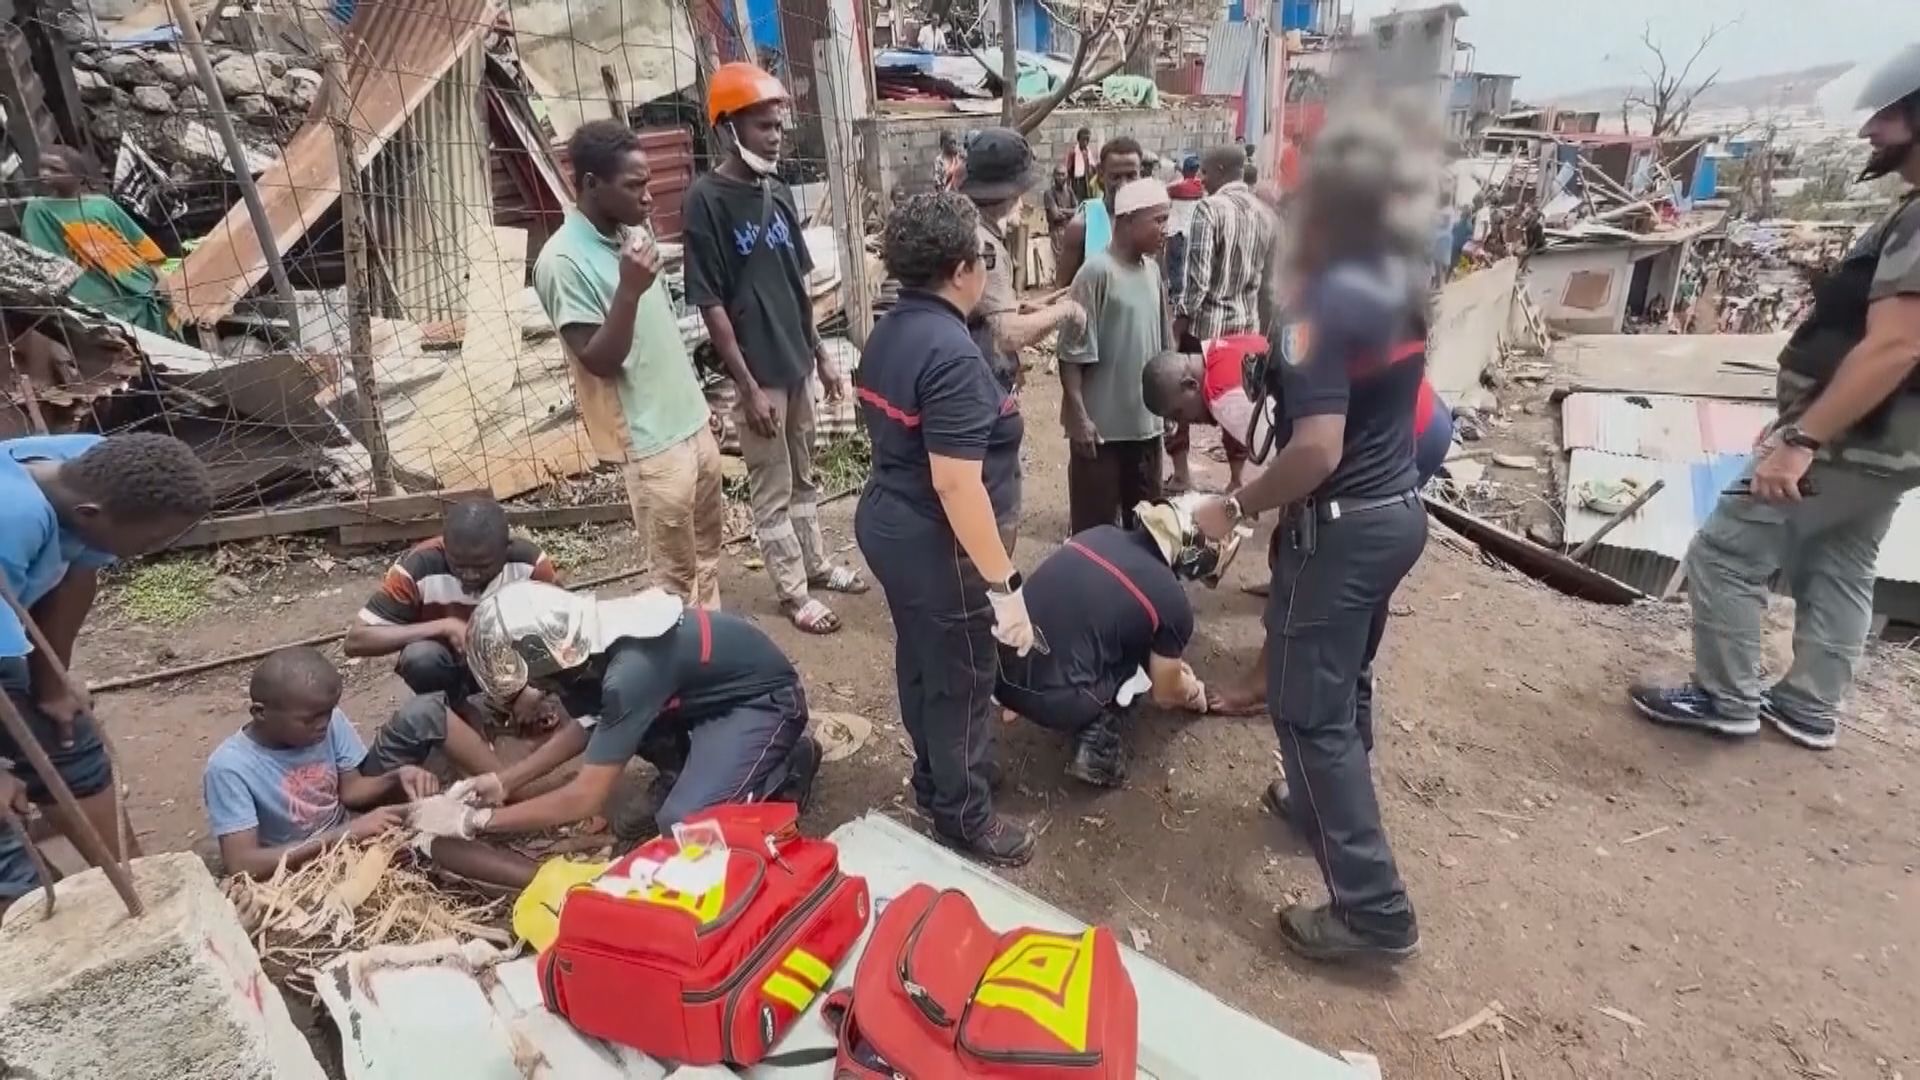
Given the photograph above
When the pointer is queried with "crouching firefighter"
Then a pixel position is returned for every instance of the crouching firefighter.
(1826, 479)
(704, 696)
(1346, 370)
(1117, 622)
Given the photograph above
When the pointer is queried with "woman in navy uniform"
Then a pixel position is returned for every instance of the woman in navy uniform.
(1347, 367)
(946, 464)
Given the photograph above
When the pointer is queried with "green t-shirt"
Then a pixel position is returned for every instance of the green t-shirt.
(118, 257)
(576, 275)
(1126, 327)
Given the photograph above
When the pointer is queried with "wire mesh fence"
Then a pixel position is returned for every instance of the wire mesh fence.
(431, 136)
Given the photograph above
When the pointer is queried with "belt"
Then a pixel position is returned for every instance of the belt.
(1335, 509)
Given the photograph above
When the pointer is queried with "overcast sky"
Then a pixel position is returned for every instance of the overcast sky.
(1569, 45)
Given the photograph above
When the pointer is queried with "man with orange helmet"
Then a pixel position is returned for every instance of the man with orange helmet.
(747, 266)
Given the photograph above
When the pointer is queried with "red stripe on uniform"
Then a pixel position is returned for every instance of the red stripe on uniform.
(706, 635)
(893, 411)
(1407, 350)
(1009, 405)
(1153, 616)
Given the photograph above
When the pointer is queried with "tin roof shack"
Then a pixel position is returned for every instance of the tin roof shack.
(1592, 277)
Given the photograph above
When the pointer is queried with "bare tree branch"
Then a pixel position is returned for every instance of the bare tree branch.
(1667, 98)
(1092, 41)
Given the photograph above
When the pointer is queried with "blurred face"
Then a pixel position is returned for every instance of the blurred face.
(1083, 137)
(476, 564)
(1116, 170)
(297, 717)
(1189, 406)
(624, 197)
(1891, 135)
(1147, 230)
(1059, 177)
(762, 129)
(60, 175)
(125, 539)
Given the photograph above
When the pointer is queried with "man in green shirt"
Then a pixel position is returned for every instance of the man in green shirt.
(117, 256)
(598, 279)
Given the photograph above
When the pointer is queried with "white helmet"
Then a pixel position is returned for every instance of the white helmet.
(1895, 82)
(534, 630)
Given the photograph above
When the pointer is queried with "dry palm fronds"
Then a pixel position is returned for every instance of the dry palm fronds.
(353, 896)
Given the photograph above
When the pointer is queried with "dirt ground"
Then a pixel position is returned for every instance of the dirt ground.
(1745, 909)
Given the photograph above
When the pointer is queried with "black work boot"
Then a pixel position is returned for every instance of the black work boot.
(1320, 933)
(803, 763)
(633, 821)
(1000, 843)
(1278, 801)
(1099, 755)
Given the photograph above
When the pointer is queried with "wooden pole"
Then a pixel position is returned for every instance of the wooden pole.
(84, 836)
(189, 29)
(830, 65)
(353, 225)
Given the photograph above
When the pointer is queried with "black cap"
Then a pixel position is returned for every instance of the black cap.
(999, 165)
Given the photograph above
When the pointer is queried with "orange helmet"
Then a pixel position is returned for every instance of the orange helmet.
(738, 86)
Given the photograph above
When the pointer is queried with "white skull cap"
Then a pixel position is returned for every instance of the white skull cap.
(1142, 194)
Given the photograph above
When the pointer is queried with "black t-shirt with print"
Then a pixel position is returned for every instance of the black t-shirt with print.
(757, 272)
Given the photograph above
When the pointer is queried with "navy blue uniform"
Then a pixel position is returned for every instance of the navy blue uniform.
(1107, 602)
(1356, 347)
(925, 389)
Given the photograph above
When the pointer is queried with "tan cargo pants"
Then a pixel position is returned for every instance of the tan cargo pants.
(680, 514)
(785, 497)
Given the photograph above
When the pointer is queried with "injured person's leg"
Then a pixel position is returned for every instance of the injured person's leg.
(480, 862)
(418, 728)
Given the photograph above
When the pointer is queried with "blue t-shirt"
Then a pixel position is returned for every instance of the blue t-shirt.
(35, 552)
(289, 795)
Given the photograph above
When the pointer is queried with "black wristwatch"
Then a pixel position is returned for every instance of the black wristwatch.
(1010, 586)
(1791, 435)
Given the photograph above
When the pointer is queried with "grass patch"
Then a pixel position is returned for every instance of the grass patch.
(845, 463)
(167, 591)
(568, 547)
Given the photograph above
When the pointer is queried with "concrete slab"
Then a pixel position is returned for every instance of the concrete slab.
(177, 994)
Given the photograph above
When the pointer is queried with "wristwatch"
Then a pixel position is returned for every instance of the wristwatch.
(1234, 513)
(1791, 435)
(1008, 587)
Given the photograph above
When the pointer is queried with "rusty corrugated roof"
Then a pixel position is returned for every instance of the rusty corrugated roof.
(396, 51)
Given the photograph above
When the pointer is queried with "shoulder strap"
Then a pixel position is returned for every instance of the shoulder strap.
(1153, 615)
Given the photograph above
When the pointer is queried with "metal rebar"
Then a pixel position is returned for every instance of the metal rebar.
(189, 28)
(353, 223)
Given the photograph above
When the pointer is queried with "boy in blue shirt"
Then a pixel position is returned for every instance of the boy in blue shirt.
(297, 778)
(69, 505)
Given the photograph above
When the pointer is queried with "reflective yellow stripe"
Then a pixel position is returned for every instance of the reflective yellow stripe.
(782, 988)
(808, 966)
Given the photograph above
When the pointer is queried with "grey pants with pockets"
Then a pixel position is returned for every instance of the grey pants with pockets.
(1826, 547)
(1323, 622)
(784, 491)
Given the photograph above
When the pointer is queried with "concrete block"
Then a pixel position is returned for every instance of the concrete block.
(177, 994)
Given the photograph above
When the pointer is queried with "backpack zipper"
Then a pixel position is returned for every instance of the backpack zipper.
(758, 956)
(921, 997)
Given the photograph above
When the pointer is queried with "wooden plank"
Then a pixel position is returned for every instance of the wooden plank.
(1548, 567)
(552, 517)
(227, 530)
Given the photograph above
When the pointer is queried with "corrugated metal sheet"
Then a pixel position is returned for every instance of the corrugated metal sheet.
(1665, 526)
(1230, 47)
(1662, 428)
(670, 158)
(397, 51)
(431, 190)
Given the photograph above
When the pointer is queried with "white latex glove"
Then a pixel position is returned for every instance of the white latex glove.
(1012, 626)
(443, 815)
(479, 791)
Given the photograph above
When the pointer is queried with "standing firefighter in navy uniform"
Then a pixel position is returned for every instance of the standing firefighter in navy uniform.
(1826, 477)
(1346, 369)
(946, 467)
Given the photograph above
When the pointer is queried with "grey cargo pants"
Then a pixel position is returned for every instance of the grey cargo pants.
(1330, 585)
(1826, 546)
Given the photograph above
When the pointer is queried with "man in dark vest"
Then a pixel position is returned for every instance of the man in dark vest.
(1826, 477)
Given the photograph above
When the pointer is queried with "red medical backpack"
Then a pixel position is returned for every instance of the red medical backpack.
(717, 977)
(939, 995)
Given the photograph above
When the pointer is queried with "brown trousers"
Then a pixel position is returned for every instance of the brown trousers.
(680, 513)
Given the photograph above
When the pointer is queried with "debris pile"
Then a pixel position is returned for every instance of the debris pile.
(353, 897)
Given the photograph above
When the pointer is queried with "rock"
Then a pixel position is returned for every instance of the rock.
(301, 88)
(254, 109)
(76, 28)
(192, 101)
(86, 58)
(239, 76)
(153, 99)
(175, 68)
(273, 63)
(1516, 461)
(94, 87)
(127, 69)
(226, 587)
